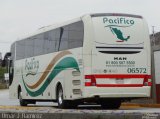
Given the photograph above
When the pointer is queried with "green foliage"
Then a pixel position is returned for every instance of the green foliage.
(3, 86)
(2, 71)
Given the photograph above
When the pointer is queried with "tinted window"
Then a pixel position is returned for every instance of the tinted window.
(63, 38)
(13, 51)
(72, 36)
(49, 41)
(38, 44)
(20, 49)
(29, 47)
(76, 35)
(57, 38)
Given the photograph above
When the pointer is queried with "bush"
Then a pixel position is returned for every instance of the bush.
(3, 86)
(2, 71)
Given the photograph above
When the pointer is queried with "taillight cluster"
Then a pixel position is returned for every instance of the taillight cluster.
(147, 82)
(90, 80)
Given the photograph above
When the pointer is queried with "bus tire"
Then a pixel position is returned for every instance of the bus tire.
(22, 102)
(60, 99)
(61, 102)
(64, 104)
(110, 104)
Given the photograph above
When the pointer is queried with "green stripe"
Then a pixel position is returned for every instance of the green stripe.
(68, 62)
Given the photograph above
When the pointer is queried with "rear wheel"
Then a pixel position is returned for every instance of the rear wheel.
(64, 103)
(111, 104)
(22, 102)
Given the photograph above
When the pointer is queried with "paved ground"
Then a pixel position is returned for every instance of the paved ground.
(11, 109)
(4, 100)
(8, 104)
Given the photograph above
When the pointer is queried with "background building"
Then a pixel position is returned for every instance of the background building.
(155, 43)
(155, 39)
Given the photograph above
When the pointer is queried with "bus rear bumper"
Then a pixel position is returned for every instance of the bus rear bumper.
(117, 92)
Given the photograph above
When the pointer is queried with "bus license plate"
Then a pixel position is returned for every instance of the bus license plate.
(119, 81)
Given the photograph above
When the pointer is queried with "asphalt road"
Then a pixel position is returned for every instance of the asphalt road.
(11, 109)
(4, 100)
(13, 103)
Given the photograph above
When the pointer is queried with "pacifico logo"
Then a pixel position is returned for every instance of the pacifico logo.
(31, 66)
(116, 26)
(120, 22)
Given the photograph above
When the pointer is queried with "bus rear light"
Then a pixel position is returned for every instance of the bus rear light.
(147, 82)
(90, 80)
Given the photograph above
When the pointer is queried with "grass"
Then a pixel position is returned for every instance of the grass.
(3, 86)
(2, 71)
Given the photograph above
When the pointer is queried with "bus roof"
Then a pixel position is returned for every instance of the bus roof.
(116, 14)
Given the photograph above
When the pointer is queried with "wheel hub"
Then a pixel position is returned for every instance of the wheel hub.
(60, 96)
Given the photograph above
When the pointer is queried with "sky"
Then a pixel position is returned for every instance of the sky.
(21, 17)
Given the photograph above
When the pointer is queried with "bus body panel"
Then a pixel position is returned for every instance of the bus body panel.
(28, 81)
(121, 45)
(117, 92)
(115, 55)
(120, 57)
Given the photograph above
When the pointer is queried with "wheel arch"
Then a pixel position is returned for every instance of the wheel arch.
(56, 89)
(18, 90)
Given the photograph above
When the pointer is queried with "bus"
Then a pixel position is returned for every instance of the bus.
(101, 58)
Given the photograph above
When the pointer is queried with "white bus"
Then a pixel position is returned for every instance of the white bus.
(102, 58)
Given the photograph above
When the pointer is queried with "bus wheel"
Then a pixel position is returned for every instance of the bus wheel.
(111, 104)
(60, 100)
(64, 104)
(22, 102)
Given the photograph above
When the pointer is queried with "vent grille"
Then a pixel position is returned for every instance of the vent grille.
(76, 91)
(119, 48)
(76, 82)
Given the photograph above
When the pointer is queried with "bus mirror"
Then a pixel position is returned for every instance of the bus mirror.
(6, 60)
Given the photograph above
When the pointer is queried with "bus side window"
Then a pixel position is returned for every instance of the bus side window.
(11, 72)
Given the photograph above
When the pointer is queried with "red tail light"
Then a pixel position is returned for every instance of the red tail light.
(147, 81)
(90, 80)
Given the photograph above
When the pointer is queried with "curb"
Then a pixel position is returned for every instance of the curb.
(11, 112)
(140, 105)
(80, 115)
